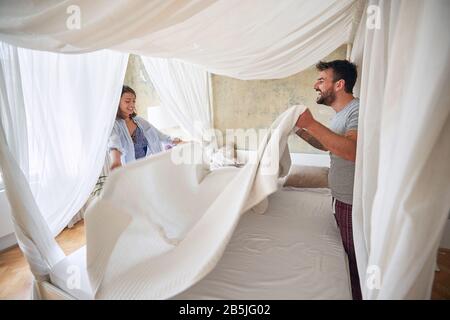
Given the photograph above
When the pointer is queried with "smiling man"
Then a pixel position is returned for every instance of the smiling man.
(335, 89)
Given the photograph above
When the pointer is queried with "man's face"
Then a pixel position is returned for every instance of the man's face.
(324, 86)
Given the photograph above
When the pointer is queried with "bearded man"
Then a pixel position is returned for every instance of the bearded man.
(335, 89)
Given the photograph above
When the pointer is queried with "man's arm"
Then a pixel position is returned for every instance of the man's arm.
(342, 146)
(310, 139)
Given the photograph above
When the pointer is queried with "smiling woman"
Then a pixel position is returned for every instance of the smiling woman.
(132, 136)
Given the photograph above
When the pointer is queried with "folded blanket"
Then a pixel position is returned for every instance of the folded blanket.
(162, 223)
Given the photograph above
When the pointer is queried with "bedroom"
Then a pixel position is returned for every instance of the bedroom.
(61, 151)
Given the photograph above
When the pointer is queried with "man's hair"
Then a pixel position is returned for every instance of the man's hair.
(342, 69)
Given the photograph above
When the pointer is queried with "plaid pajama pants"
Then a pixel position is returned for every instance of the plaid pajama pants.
(343, 216)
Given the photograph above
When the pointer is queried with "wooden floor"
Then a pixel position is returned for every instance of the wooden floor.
(441, 285)
(15, 275)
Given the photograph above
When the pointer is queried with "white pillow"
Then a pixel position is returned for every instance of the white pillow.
(307, 177)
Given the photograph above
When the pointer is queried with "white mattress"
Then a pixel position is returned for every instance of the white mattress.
(293, 251)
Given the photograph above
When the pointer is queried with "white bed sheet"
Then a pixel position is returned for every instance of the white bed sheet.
(293, 251)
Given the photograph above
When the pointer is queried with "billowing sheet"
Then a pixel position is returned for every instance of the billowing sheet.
(162, 223)
(292, 251)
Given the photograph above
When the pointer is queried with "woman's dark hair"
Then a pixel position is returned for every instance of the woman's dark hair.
(342, 69)
(125, 89)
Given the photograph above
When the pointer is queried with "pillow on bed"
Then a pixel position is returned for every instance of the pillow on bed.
(307, 177)
(224, 157)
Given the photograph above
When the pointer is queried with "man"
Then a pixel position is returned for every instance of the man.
(335, 89)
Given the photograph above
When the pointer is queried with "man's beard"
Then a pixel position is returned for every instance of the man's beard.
(326, 98)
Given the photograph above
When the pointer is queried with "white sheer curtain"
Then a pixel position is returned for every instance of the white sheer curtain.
(245, 39)
(70, 102)
(32, 231)
(184, 92)
(181, 219)
(12, 111)
(402, 187)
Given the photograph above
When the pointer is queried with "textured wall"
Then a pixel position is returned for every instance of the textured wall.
(240, 104)
(135, 77)
(256, 103)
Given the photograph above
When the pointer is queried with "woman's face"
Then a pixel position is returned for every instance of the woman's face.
(127, 104)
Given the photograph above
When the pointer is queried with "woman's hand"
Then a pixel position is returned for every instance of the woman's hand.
(115, 165)
(115, 159)
(177, 141)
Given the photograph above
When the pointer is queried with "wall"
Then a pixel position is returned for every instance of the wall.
(445, 241)
(135, 77)
(7, 237)
(256, 103)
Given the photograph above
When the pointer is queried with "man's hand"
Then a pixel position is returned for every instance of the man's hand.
(321, 137)
(305, 120)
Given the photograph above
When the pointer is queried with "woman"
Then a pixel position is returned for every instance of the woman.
(133, 137)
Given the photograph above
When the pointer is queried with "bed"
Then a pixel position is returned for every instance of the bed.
(293, 251)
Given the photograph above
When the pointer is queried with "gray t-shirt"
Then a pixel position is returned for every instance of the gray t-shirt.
(342, 172)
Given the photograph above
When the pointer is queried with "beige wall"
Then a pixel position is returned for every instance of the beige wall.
(135, 77)
(240, 104)
(256, 103)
